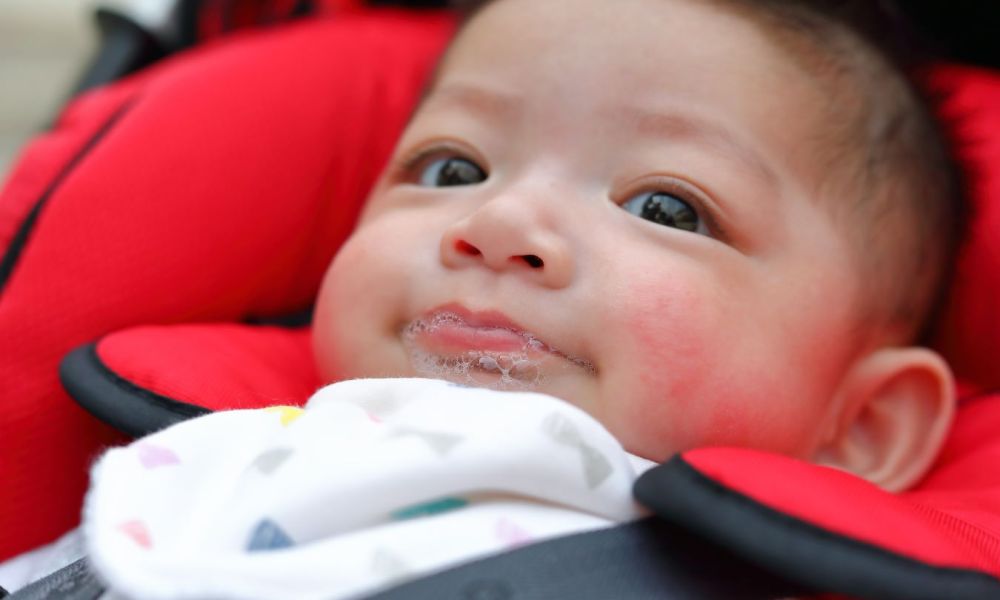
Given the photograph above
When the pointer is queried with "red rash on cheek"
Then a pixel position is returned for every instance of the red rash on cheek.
(666, 324)
(668, 358)
(728, 424)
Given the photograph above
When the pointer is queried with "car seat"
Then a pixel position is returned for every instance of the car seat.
(163, 242)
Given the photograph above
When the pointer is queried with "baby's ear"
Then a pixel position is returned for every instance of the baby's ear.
(894, 408)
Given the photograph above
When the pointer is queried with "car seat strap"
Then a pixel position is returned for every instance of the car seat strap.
(644, 559)
(73, 582)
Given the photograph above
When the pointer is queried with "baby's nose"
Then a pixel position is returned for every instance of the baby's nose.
(508, 242)
(463, 247)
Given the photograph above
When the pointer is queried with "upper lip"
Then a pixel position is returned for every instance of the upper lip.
(486, 319)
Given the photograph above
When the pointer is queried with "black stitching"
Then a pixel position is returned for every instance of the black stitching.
(23, 233)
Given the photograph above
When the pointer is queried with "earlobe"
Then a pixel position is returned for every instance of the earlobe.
(894, 409)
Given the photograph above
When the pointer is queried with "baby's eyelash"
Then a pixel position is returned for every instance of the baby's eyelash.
(696, 199)
(411, 162)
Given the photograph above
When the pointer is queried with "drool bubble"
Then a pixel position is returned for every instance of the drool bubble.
(489, 363)
(511, 370)
(526, 370)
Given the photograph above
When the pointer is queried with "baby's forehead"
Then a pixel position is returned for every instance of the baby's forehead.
(747, 97)
(720, 44)
(821, 88)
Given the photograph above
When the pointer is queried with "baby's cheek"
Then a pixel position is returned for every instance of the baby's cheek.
(330, 336)
(667, 363)
(344, 324)
(667, 323)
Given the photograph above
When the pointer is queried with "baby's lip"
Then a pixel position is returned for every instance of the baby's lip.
(458, 329)
(481, 319)
(486, 319)
(454, 328)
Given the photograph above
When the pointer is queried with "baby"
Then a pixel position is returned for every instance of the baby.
(702, 222)
(685, 222)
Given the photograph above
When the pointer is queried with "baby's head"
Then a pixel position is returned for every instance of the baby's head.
(705, 222)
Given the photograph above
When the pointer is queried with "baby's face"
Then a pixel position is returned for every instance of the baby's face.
(615, 203)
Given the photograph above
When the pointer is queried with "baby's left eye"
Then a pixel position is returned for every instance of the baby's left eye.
(665, 209)
(452, 171)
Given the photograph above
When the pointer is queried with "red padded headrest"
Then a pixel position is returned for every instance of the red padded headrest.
(970, 331)
(215, 186)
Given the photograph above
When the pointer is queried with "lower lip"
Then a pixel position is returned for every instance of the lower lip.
(459, 337)
(444, 346)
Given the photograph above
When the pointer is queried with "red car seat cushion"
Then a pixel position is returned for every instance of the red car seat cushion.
(212, 187)
(969, 335)
(165, 374)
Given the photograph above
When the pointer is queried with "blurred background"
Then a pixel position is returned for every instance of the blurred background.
(44, 45)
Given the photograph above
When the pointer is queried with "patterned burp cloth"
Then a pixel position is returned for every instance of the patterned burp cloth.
(374, 482)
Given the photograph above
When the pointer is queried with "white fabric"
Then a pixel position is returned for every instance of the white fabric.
(375, 482)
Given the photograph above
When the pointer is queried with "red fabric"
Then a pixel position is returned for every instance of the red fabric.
(45, 157)
(970, 332)
(217, 18)
(210, 20)
(221, 193)
(218, 366)
(942, 526)
(341, 5)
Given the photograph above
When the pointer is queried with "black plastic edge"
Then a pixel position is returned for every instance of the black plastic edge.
(801, 551)
(116, 401)
(21, 237)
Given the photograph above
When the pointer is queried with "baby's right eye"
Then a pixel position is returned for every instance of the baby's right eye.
(451, 171)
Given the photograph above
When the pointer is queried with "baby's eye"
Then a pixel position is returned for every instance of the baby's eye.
(451, 171)
(665, 209)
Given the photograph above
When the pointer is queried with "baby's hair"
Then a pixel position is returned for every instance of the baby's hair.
(909, 210)
(894, 183)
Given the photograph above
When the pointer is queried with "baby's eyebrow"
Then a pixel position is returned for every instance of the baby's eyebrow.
(655, 124)
(502, 104)
(478, 98)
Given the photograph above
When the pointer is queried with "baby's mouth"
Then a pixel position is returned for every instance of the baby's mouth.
(483, 350)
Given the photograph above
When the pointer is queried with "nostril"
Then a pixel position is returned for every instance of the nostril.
(465, 247)
(533, 261)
